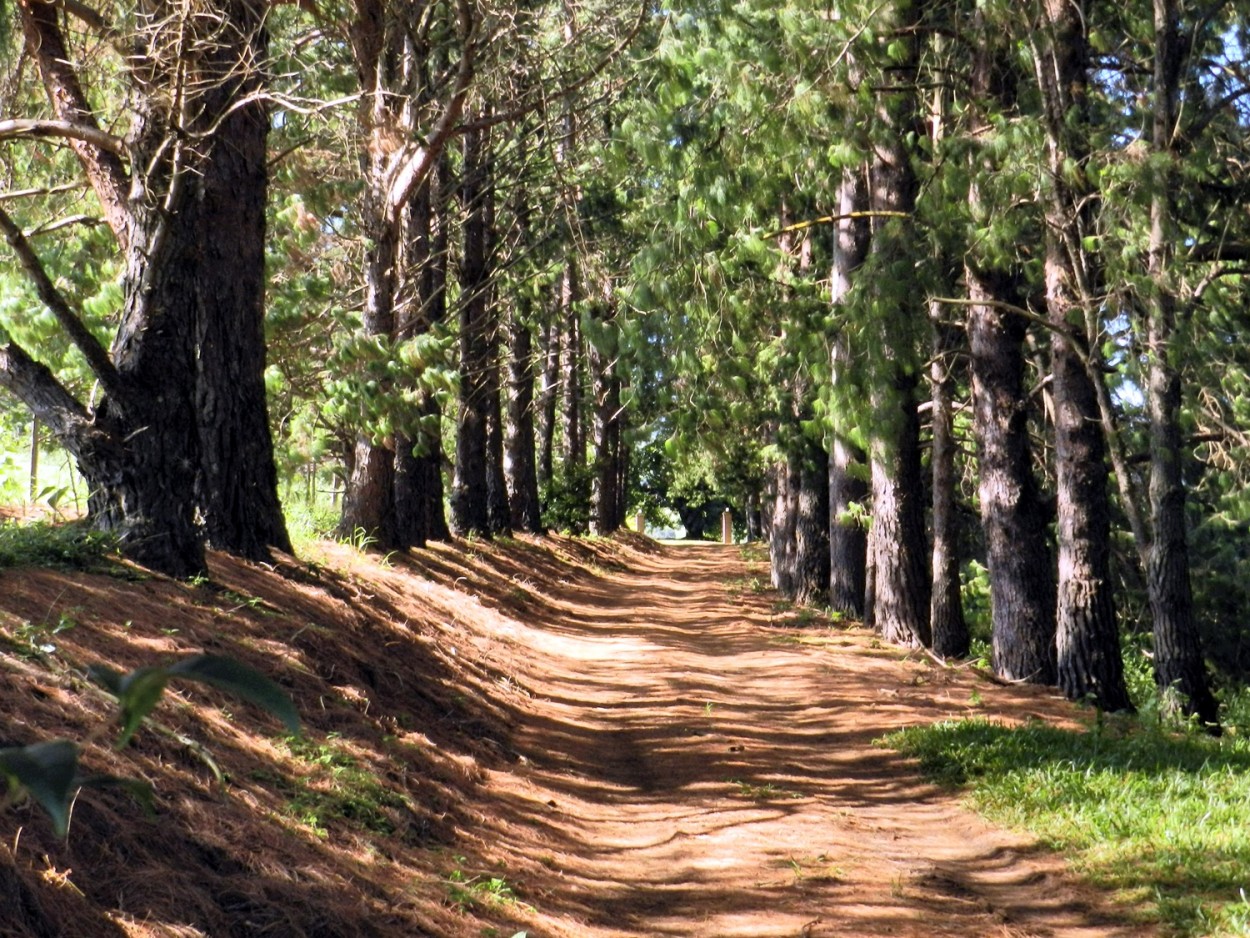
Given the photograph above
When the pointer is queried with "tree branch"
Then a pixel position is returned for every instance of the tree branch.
(67, 130)
(99, 156)
(414, 162)
(86, 343)
(35, 386)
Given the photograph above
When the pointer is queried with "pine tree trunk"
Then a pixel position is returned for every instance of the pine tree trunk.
(1014, 520)
(1180, 670)
(470, 500)
(1022, 586)
(419, 460)
(239, 480)
(897, 540)
(811, 528)
(519, 448)
(901, 597)
(848, 538)
(781, 541)
(1089, 662)
(548, 395)
(605, 430)
(571, 373)
(950, 631)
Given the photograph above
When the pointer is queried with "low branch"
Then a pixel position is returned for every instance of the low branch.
(34, 385)
(92, 350)
(64, 130)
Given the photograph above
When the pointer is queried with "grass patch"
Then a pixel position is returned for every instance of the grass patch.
(69, 545)
(339, 788)
(1160, 816)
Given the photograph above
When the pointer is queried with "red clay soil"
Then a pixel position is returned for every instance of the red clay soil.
(561, 737)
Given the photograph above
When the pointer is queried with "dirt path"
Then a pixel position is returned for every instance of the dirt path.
(691, 768)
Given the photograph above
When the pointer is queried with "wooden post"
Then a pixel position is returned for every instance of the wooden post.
(640, 523)
(727, 527)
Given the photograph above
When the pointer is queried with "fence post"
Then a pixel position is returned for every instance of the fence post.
(727, 527)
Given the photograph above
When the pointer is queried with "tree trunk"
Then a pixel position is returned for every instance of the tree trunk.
(950, 631)
(519, 449)
(239, 480)
(811, 528)
(1013, 518)
(571, 372)
(1180, 670)
(781, 535)
(1089, 662)
(1022, 585)
(605, 426)
(897, 541)
(548, 394)
(419, 458)
(848, 490)
(469, 497)
(902, 586)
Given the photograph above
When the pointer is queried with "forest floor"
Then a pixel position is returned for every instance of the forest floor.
(558, 737)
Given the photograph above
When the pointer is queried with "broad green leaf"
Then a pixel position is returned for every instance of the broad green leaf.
(229, 675)
(140, 692)
(46, 771)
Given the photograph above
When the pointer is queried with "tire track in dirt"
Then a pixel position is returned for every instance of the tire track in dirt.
(687, 768)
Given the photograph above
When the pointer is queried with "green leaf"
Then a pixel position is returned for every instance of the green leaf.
(46, 771)
(140, 692)
(240, 680)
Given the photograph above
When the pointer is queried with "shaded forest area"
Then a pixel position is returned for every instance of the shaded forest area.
(944, 300)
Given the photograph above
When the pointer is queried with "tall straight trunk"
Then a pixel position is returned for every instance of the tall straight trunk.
(1013, 517)
(548, 396)
(950, 630)
(811, 528)
(239, 480)
(898, 543)
(848, 538)
(369, 500)
(1180, 670)
(1022, 585)
(781, 541)
(520, 465)
(571, 372)
(605, 426)
(901, 585)
(418, 455)
(1089, 662)
(498, 513)
(470, 498)
(498, 510)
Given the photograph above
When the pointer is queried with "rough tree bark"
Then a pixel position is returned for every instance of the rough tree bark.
(469, 496)
(1089, 662)
(155, 449)
(946, 616)
(519, 446)
(897, 541)
(1180, 670)
(848, 537)
(605, 421)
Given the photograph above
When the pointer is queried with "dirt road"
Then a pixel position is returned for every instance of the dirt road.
(693, 764)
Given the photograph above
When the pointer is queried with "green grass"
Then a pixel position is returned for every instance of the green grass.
(71, 545)
(1162, 816)
(339, 789)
